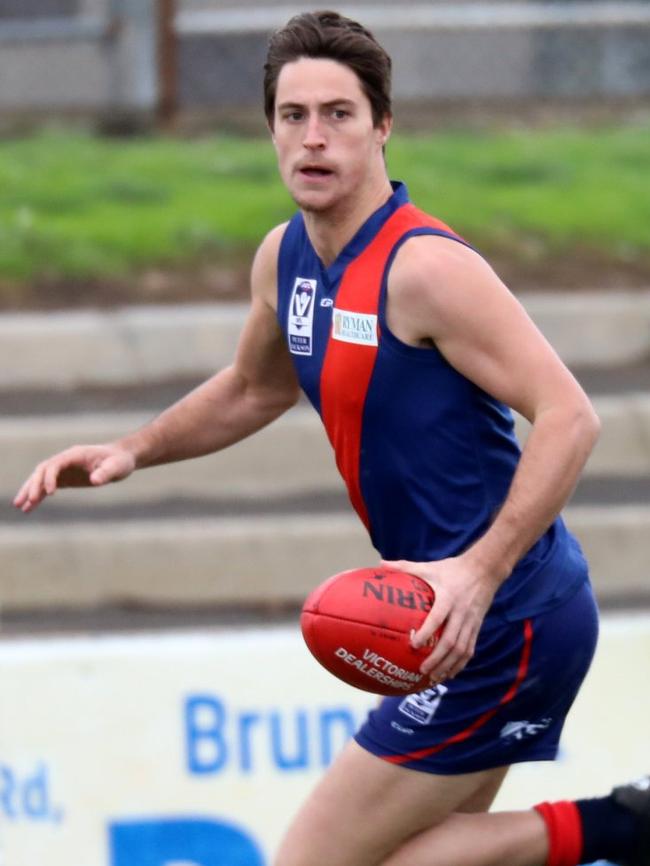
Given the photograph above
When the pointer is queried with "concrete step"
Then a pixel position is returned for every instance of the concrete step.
(151, 397)
(267, 519)
(615, 379)
(597, 329)
(290, 456)
(123, 346)
(150, 344)
(176, 562)
(266, 559)
(624, 444)
(89, 507)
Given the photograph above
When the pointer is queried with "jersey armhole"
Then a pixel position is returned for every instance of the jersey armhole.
(420, 351)
(292, 233)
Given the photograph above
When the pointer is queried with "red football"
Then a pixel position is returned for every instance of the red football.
(358, 625)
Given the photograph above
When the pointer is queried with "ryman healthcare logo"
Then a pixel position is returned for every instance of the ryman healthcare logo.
(301, 316)
(360, 328)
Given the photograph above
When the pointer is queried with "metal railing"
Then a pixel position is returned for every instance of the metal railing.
(450, 16)
(160, 56)
(84, 28)
(124, 33)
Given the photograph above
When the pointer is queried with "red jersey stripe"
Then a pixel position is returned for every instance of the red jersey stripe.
(347, 367)
(482, 720)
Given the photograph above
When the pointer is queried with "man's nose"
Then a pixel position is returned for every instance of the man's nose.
(314, 137)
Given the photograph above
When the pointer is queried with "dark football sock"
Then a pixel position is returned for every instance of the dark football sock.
(609, 831)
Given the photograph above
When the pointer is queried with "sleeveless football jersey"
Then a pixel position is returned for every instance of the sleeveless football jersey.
(427, 456)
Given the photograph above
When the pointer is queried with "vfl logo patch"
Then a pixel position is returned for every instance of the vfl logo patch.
(422, 706)
(301, 316)
(360, 328)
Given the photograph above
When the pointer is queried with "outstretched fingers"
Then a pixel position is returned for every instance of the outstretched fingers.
(51, 476)
(75, 467)
(33, 491)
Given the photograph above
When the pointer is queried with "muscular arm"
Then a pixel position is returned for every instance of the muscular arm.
(445, 293)
(258, 386)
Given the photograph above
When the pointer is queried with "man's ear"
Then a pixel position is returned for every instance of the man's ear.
(385, 128)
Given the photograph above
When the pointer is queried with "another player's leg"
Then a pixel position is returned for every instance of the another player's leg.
(366, 812)
(364, 809)
(482, 839)
(616, 828)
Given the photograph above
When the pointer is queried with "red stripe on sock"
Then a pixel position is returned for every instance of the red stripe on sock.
(564, 827)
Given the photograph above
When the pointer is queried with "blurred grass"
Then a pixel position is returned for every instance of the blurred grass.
(555, 187)
(77, 206)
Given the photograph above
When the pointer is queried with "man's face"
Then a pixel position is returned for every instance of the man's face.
(327, 146)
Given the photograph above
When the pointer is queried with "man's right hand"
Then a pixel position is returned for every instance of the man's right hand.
(79, 466)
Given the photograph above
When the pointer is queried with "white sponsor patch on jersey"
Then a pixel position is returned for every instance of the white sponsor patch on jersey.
(301, 316)
(422, 706)
(360, 328)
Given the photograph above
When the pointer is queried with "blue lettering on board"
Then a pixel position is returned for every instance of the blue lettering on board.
(336, 726)
(164, 840)
(26, 796)
(247, 722)
(218, 738)
(204, 725)
(299, 760)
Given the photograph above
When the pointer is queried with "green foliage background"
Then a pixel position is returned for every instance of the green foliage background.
(78, 206)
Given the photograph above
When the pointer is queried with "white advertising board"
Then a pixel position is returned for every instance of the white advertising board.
(195, 749)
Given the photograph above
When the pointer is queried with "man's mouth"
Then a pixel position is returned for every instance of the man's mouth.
(314, 171)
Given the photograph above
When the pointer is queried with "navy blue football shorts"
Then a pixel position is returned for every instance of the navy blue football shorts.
(506, 706)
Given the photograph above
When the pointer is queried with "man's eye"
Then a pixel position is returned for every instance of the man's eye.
(340, 113)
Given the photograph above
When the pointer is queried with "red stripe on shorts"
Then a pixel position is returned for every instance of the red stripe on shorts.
(482, 720)
(347, 367)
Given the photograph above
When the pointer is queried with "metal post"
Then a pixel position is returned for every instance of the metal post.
(110, 47)
(134, 59)
(167, 63)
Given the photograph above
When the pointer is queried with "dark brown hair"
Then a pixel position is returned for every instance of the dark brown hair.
(334, 37)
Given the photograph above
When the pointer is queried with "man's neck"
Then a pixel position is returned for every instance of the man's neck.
(329, 231)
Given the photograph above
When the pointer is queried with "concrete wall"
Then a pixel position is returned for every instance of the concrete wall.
(501, 64)
(89, 62)
(31, 8)
(234, 525)
(217, 70)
